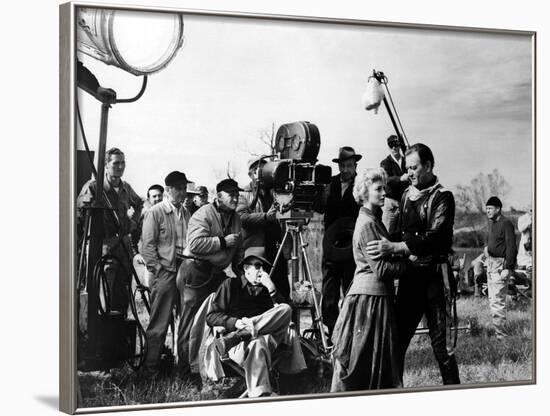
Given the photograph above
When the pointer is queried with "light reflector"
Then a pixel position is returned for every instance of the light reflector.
(137, 43)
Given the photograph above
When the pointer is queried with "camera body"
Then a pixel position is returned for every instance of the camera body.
(296, 179)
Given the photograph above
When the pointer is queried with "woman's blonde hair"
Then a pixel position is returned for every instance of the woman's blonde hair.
(364, 180)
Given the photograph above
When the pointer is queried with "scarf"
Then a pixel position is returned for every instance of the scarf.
(414, 194)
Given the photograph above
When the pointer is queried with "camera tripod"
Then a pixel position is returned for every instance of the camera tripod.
(294, 231)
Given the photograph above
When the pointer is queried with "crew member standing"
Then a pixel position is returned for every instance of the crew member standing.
(337, 276)
(127, 207)
(260, 226)
(164, 238)
(213, 243)
(397, 182)
(501, 260)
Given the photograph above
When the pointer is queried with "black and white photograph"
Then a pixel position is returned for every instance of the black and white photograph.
(269, 207)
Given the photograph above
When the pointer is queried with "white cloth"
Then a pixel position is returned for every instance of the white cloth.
(414, 194)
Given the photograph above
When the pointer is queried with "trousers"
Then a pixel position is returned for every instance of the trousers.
(423, 293)
(254, 356)
(336, 277)
(164, 296)
(497, 287)
(195, 280)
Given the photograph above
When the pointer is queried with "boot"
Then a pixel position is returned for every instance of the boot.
(225, 343)
(449, 371)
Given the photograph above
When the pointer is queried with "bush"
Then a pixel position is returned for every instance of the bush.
(473, 239)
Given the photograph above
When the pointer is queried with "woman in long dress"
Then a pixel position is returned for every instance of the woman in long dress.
(365, 340)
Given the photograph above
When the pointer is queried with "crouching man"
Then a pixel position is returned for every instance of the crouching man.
(256, 323)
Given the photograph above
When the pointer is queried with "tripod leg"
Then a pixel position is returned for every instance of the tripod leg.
(318, 316)
(278, 256)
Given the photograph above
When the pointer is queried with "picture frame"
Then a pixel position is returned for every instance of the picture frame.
(68, 177)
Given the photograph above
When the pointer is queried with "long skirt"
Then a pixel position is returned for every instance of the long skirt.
(366, 348)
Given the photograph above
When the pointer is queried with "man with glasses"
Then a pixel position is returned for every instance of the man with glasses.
(256, 322)
(213, 243)
(398, 181)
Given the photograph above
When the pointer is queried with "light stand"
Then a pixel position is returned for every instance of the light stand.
(94, 226)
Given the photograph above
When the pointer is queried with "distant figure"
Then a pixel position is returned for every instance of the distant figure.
(398, 181)
(155, 194)
(501, 261)
(188, 202)
(523, 273)
(202, 197)
(478, 267)
(525, 252)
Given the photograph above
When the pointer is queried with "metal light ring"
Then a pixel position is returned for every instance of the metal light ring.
(172, 51)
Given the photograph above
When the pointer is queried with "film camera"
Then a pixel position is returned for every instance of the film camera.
(296, 179)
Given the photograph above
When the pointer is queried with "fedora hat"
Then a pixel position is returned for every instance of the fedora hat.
(345, 153)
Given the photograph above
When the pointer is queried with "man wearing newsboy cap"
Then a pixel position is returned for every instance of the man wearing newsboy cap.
(213, 243)
(340, 204)
(164, 239)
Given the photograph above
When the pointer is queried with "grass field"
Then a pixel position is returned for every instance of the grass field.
(481, 359)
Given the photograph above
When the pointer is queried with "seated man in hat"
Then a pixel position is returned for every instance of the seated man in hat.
(257, 211)
(213, 243)
(340, 204)
(257, 322)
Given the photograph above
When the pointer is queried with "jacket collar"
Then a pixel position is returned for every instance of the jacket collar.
(168, 207)
(376, 214)
(107, 186)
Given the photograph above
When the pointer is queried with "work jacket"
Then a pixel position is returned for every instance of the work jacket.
(159, 236)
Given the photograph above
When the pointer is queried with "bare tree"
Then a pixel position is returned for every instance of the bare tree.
(268, 138)
(231, 171)
(482, 186)
(267, 145)
(463, 198)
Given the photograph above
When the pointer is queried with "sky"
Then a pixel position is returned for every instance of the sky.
(466, 95)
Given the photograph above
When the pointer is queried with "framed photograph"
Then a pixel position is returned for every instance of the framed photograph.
(262, 208)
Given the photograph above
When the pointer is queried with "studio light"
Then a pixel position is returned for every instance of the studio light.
(129, 41)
